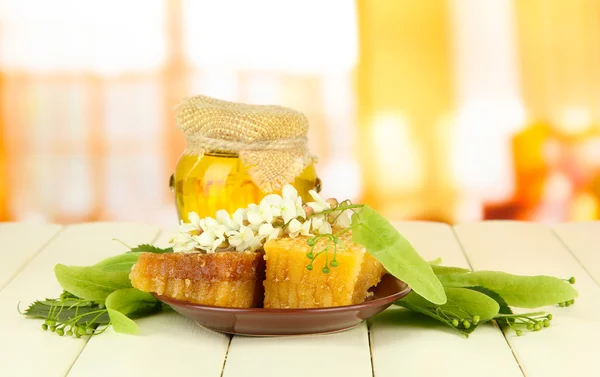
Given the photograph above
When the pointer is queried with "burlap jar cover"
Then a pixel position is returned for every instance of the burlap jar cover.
(270, 140)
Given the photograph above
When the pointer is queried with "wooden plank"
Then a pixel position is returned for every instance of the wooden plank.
(167, 343)
(25, 350)
(570, 346)
(341, 354)
(583, 240)
(19, 242)
(408, 344)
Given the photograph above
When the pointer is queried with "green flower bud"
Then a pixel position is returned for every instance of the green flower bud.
(568, 303)
(537, 327)
(81, 330)
(44, 326)
(69, 333)
(455, 322)
(310, 255)
(50, 322)
(309, 267)
(572, 280)
(77, 335)
(60, 332)
(325, 270)
(476, 319)
(530, 326)
(53, 328)
(549, 317)
(466, 324)
(334, 263)
(519, 332)
(546, 323)
(561, 304)
(310, 242)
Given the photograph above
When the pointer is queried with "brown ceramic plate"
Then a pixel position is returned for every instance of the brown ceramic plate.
(279, 322)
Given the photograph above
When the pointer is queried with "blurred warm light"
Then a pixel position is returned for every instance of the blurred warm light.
(308, 36)
(107, 37)
(574, 120)
(395, 157)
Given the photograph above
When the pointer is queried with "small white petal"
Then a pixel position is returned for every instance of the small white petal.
(318, 207)
(265, 229)
(205, 239)
(266, 213)
(194, 218)
(288, 210)
(299, 208)
(289, 192)
(238, 218)
(343, 220)
(305, 230)
(294, 226)
(247, 234)
(272, 200)
(254, 217)
(274, 234)
(317, 221)
(325, 228)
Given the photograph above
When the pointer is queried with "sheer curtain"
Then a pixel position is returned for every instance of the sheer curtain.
(88, 91)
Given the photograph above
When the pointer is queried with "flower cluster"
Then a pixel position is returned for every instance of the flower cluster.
(249, 228)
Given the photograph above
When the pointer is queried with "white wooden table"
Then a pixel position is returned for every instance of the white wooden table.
(395, 343)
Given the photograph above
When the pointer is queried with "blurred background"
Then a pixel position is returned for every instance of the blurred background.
(445, 110)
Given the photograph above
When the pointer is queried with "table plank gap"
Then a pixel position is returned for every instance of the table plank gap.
(579, 239)
(419, 339)
(566, 347)
(82, 244)
(512, 350)
(20, 244)
(163, 338)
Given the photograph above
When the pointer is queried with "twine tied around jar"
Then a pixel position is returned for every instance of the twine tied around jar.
(270, 140)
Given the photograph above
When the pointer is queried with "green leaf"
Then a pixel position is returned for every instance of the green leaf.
(436, 261)
(519, 291)
(467, 303)
(118, 263)
(396, 254)
(121, 323)
(147, 248)
(443, 270)
(504, 308)
(133, 302)
(91, 283)
(65, 310)
(461, 304)
(418, 304)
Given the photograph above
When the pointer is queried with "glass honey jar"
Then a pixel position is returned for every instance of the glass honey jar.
(219, 180)
(223, 139)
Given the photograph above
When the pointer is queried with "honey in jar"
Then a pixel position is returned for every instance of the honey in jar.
(238, 153)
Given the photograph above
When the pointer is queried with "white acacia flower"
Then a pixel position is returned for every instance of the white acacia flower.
(319, 205)
(244, 239)
(344, 220)
(274, 201)
(224, 219)
(238, 218)
(291, 206)
(320, 225)
(183, 243)
(267, 231)
(205, 240)
(193, 225)
(293, 228)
